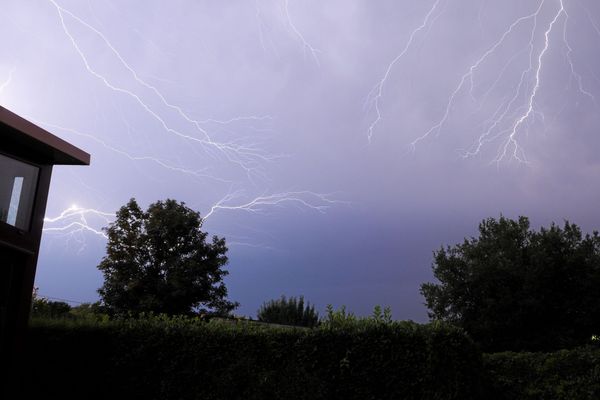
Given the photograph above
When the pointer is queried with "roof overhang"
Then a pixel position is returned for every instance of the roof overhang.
(26, 140)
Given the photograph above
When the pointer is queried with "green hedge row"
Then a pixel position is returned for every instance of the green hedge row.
(565, 374)
(180, 359)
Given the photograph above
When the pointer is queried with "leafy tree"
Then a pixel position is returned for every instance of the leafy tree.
(290, 311)
(41, 307)
(514, 288)
(160, 261)
(89, 311)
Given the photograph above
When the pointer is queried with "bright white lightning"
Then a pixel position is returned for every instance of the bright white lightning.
(511, 141)
(377, 91)
(305, 45)
(77, 220)
(498, 116)
(246, 157)
(519, 109)
(304, 199)
(469, 74)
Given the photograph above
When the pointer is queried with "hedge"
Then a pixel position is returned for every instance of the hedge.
(181, 359)
(565, 374)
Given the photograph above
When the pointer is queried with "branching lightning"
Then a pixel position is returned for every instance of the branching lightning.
(162, 163)
(511, 141)
(305, 44)
(517, 111)
(246, 156)
(303, 199)
(375, 96)
(75, 220)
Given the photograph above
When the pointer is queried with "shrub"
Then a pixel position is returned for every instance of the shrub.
(41, 307)
(290, 311)
(184, 358)
(565, 374)
(342, 319)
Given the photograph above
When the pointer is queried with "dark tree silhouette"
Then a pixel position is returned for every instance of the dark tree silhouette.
(513, 288)
(41, 307)
(290, 311)
(159, 261)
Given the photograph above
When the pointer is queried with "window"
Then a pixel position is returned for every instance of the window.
(18, 181)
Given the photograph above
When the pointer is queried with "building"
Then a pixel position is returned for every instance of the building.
(27, 155)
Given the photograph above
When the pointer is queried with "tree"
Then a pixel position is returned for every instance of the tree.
(513, 288)
(41, 307)
(160, 261)
(290, 311)
(89, 311)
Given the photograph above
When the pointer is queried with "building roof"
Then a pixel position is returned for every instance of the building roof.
(24, 139)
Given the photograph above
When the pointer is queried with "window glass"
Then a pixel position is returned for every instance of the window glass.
(18, 181)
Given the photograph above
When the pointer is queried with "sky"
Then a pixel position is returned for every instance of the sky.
(335, 145)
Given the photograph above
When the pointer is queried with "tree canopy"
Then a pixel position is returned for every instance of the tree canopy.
(514, 288)
(41, 307)
(290, 311)
(160, 261)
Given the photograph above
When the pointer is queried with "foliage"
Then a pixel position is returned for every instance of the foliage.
(44, 308)
(563, 375)
(342, 319)
(160, 261)
(160, 357)
(290, 311)
(41, 307)
(90, 311)
(513, 288)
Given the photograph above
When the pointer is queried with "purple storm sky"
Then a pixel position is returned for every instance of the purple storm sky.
(334, 144)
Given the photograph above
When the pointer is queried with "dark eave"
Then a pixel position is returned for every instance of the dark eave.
(23, 139)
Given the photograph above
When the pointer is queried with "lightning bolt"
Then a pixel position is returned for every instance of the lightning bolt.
(471, 71)
(517, 111)
(164, 164)
(75, 220)
(306, 199)
(377, 92)
(246, 157)
(511, 141)
(498, 116)
(305, 45)
(574, 73)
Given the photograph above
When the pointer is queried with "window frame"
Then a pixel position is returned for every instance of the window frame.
(27, 240)
(33, 195)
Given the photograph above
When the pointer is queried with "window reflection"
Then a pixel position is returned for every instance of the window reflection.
(18, 181)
